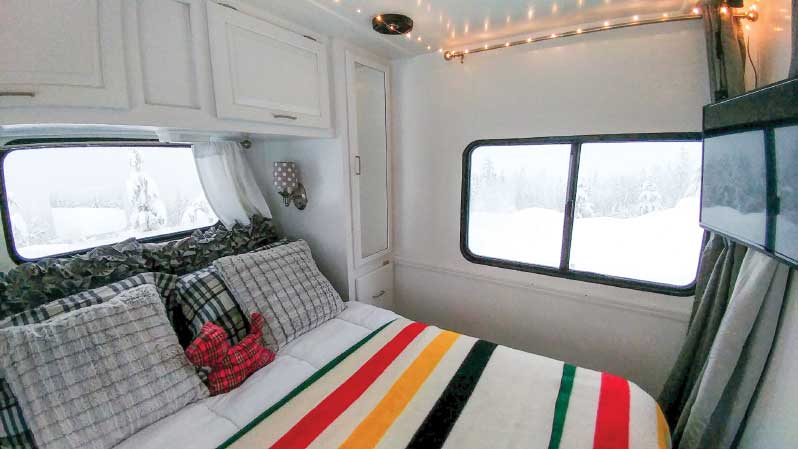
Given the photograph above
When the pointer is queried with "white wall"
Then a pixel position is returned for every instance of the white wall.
(772, 419)
(644, 79)
(770, 40)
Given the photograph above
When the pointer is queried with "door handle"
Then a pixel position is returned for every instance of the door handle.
(357, 165)
(17, 94)
(380, 294)
(286, 116)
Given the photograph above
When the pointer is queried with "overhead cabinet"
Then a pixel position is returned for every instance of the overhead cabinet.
(267, 73)
(62, 53)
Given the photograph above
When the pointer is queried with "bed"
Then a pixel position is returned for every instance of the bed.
(371, 378)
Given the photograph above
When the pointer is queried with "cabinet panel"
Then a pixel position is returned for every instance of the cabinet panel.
(169, 72)
(376, 288)
(62, 53)
(368, 91)
(266, 73)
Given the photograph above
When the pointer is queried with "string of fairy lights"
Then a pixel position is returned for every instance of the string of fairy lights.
(751, 13)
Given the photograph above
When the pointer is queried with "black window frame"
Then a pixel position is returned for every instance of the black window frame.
(32, 144)
(563, 271)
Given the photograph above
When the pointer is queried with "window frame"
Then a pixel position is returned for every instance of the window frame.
(563, 271)
(32, 144)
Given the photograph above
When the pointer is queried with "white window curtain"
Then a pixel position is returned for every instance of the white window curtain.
(228, 182)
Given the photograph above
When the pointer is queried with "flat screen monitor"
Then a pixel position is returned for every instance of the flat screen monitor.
(734, 191)
(749, 185)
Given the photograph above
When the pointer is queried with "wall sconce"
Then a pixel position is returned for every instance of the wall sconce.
(286, 179)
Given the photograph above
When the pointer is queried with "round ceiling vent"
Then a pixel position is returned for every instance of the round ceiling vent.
(392, 24)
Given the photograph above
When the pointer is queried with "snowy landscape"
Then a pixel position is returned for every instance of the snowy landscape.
(97, 196)
(637, 208)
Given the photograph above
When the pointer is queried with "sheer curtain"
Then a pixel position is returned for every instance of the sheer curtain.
(228, 182)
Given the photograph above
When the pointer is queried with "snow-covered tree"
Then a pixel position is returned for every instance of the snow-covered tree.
(19, 227)
(147, 211)
(198, 213)
(584, 204)
(649, 200)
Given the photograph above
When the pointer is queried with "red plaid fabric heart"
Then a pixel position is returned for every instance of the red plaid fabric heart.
(230, 365)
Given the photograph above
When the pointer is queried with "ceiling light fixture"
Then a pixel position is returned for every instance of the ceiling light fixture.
(392, 24)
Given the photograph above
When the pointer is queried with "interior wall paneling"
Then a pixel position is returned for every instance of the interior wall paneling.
(636, 80)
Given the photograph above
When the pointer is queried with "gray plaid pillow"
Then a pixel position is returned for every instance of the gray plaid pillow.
(14, 430)
(284, 285)
(127, 339)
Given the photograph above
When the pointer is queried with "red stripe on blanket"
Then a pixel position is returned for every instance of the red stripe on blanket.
(313, 424)
(612, 420)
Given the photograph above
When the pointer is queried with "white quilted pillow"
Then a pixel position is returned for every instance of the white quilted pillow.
(92, 377)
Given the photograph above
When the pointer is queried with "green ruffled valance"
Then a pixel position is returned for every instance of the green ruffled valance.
(35, 283)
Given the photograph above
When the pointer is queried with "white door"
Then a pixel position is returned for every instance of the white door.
(266, 73)
(62, 53)
(368, 88)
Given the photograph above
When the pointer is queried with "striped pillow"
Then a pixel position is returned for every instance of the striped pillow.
(14, 430)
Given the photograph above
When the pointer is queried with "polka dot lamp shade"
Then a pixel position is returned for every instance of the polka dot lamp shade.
(286, 176)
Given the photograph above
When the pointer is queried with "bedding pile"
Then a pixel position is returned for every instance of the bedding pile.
(412, 385)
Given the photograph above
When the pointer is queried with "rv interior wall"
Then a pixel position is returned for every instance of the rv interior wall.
(771, 420)
(646, 79)
(770, 41)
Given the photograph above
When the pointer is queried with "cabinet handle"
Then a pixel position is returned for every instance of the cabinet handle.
(286, 116)
(378, 295)
(17, 94)
(357, 165)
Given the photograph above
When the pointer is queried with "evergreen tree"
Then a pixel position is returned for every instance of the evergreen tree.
(649, 200)
(147, 211)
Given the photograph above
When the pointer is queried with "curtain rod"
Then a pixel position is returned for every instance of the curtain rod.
(451, 55)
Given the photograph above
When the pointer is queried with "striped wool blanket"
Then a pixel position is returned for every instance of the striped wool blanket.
(410, 385)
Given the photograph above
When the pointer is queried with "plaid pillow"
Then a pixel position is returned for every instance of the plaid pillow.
(203, 298)
(14, 431)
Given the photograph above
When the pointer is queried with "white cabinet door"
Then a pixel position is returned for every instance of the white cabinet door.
(376, 288)
(62, 53)
(368, 89)
(266, 73)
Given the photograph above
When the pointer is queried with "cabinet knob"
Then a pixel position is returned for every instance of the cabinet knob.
(17, 94)
(285, 116)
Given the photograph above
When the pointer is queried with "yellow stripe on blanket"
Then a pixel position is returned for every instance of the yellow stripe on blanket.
(374, 426)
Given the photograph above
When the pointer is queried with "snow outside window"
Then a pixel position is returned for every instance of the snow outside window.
(63, 199)
(634, 214)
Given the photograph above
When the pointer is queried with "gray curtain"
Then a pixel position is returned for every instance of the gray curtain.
(731, 334)
(725, 52)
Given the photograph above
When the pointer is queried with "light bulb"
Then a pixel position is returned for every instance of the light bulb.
(359, 11)
(466, 51)
(486, 46)
(506, 44)
(578, 31)
(529, 39)
(696, 10)
(635, 18)
(724, 10)
(429, 47)
(606, 23)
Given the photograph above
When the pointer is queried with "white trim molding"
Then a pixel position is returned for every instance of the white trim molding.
(677, 310)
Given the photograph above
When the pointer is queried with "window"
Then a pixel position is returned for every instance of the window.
(619, 210)
(63, 198)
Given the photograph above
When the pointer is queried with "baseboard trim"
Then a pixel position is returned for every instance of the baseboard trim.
(676, 312)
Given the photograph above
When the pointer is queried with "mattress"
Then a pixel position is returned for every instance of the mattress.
(372, 379)
(208, 423)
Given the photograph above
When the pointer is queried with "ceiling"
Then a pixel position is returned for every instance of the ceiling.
(457, 24)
